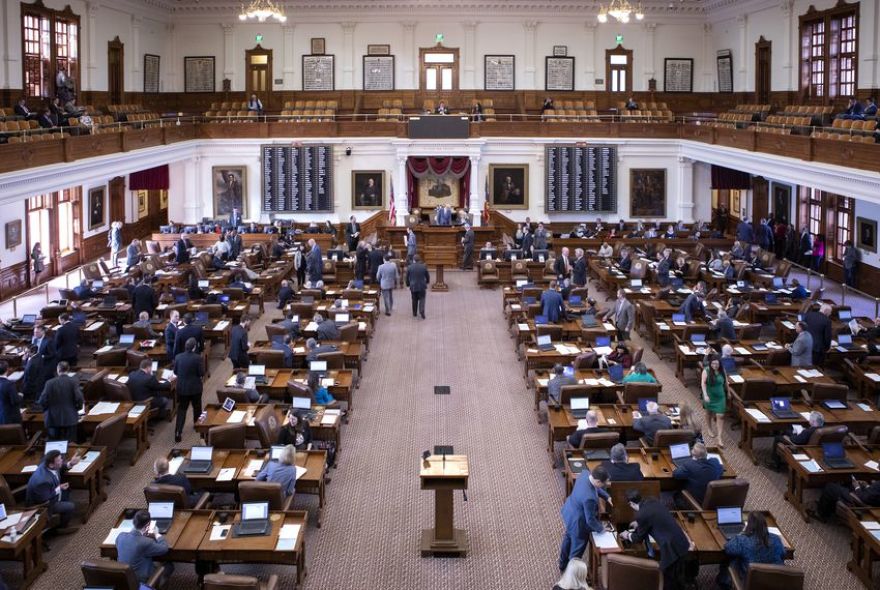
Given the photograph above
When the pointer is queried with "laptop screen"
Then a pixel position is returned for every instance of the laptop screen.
(678, 317)
(278, 339)
(568, 371)
(643, 403)
(126, 339)
(603, 340)
(844, 338)
(575, 300)
(780, 403)
(201, 453)
(540, 319)
(544, 340)
(778, 282)
(318, 366)
(342, 318)
(701, 338)
(29, 318)
(97, 284)
(845, 314)
(202, 317)
(257, 370)
(180, 299)
(636, 283)
(223, 299)
(740, 284)
(79, 317)
(255, 511)
(57, 445)
(580, 403)
(275, 452)
(204, 283)
(832, 450)
(161, 510)
(520, 283)
(530, 300)
(729, 515)
(680, 451)
(302, 403)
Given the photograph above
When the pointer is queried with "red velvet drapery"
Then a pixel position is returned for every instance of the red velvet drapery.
(418, 167)
(154, 179)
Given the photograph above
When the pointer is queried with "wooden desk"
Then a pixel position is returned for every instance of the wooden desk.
(601, 388)
(342, 388)
(28, 547)
(617, 417)
(537, 359)
(353, 352)
(866, 379)
(865, 544)
(188, 529)
(444, 475)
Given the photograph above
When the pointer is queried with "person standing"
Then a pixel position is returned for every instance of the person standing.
(66, 340)
(562, 266)
(417, 279)
(818, 252)
(714, 388)
(818, 324)
(190, 370)
(144, 298)
(114, 241)
(375, 259)
(37, 259)
(314, 263)
(467, 243)
(361, 255)
(238, 343)
(352, 233)
(540, 238)
(387, 275)
(802, 348)
(850, 262)
(143, 386)
(132, 254)
(235, 216)
(580, 514)
(10, 399)
(552, 306)
(623, 314)
(171, 333)
(61, 401)
(34, 378)
(409, 241)
(579, 269)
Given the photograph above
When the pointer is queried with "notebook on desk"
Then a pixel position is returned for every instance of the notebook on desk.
(254, 519)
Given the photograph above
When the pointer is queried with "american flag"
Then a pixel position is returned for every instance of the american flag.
(486, 204)
(392, 212)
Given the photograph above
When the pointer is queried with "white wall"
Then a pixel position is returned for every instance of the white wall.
(868, 211)
(8, 213)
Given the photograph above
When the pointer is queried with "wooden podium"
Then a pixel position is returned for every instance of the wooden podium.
(444, 478)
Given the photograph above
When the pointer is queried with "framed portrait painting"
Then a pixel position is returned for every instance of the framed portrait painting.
(781, 202)
(13, 234)
(229, 186)
(509, 186)
(867, 234)
(97, 201)
(647, 192)
(318, 45)
(367, 189)
(142, 203)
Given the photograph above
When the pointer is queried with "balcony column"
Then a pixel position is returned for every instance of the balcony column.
(229, 53)
(649, 72)
(410, 56)
(470, 58)
(530, 28)
(709, 62)
(686, 189)
(348, 55)
(477, 197)
(742, 22)
(289, 62)
(91, 47)
(172, 83)
(401, 205)
(789, 47)
(590, 63)
(136, 75)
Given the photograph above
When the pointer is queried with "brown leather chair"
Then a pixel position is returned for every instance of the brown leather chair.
(133, 359)
(264, 491)
(227, 436)
(272, 359)
(12, 434)
(353, 294)
(140, 332)
(268, 428)
(624, 572)
(566, 392)
(328, 271)
(163, 492)
(639, 269)
(109, 434)
(348, 332)
(757, 390)
(586, 360)
(236, 394)
(599, 440)
(103, 573)
(7, 494)
(519, 271)
(827, 391)
(763, 576)
(487, 274)
(275, 330)
(673, 436)
(297, 389)
(721, 492)
(828, 434)
(335, 360)
(555, 332)
(116, 391)
(235, 582)
(111, 358)
(633, 392)
(549, 272)
(778, 358)
(750, 332)
(638, 353)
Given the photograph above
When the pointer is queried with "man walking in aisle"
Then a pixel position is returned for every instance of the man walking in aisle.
(387, 277)
(417, 279)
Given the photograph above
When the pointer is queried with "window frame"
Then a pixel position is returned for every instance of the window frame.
(611, 70)
(829, 57)
(51, 63)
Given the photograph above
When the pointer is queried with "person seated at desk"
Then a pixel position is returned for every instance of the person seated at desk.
(47, 120)
(45, 487)
(696, 471)
(253, 396)
(755, 544)
(290, 325)
(664, 265)
(441, 109)
(143, 385)
(832, 493)
(619, 469)
(313, 349)
(591, 426)
(140, 545)
(738, 251)
(649, 424)
(797, 436)
(83, 291)
(143, 322)
(625, 262)
(282, 471)
(605, 250)
(21, 109)
(723, 326)
(552, 305)
(620, 356)
(238, 283)
(670, 232)
(728, 361)
(639, 374)
(650, 233)
(693, 306)
(163, 477)
(10, 399)
(798, 292)
(557, 381)
(327, 329)
(286, 348)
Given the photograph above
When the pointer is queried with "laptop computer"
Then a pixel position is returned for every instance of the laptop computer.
(78, 317)
(580, 406)
(182, 298)
(275, 452)
(781, 407)
(698, 339)
(28, 319)
(162, 513)
(778, 282)
(602, 341)
(541, 320)
(200, 460)
(97, 285)
(568, 371)
(679, 453)
(643, 404)
(742, 285)
(126, 339)
(530, 300)
(834, 456)
(56, 445)
(341, 319)
(575, 300)
(771, 298)
(254, 519)
(615, 372)
(589, 320)
(204, 283)
(844, 315)
(301, 403)
(730, 521)
(62, 302)
(223, 299)
(258, 372)
(201, 318)
(317, 366)
(520, 283)
(679, 319)
(545, 343)
(635, 284)
(845, 341)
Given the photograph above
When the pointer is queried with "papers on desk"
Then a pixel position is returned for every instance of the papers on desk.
(236, 416)
(542, 382)
(686, 349)
(94, 326)
(757, 414)
(805, 415)
(797, 428)
(875, 377)
(167, 375)
(11, 520)
(532, 350)
(174, 464)
(300, 471)
(123, 379)
(221, 325)
(679, 323)
(871, 525)
(28, 468)
(742, 350)
(605, 540)
(287, 537)
(136, 411)
(299, 350)
(737, 378)
(226, 474)
(663, 326)
(799, 379)
(811, 466)
(602, 350)
(605, 382)
(253, 467)
(773, 346)
(104, 349)
(810, 373)
(329, 419)
(311, 327)
(124, 527)
(608, 326)
(220, 532)
(362, 325)
(85, 462)
(112, 376)
(872, 465)
(565, 349)
(523, 327)
(515, 306)
(801, 457)
(864, 407)
(148, 343)
(104, 408)
(328, 382)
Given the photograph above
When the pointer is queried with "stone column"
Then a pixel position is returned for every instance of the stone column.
(686, 189)
(709, 59)
(742, 22)
(348, 55)
(90, 72)
(410, 55)
(192, 209)
(530, 28)
(469, 62)
(477, 196)
(228, 53)
(288, 58)
(136, 57)
(168, 82)
(401, 205)
(789, 47)
(590, 62)
(648, 72)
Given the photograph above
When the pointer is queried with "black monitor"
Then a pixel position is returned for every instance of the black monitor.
(540, 255)
(511, 254)
(337, 255)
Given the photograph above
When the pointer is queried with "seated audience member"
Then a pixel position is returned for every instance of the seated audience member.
(140, 545)
(796, 435)
(47, 120)
(160, 469)
(255, 105)
(477, 112)
(83, 290)
(555, 385)
(588, 425)
(854, 110)
(649, 424)
(619, 469)
(143, 385)
(286, 348)
(631, 104)
(21, 109)
(253, 396)
(46, 486)
(798, 291)
(697, 471)
(625, 262)
(548, 105)
(282, 471)
(866, 493)
(291, 325)
(441, 109)
(605, 250)
(870, 108)
(727, 269)
(574, 577)
(639, 374)
(326, 330)
(755, 544)
(620, 356)
(313, 349)
(143, 322)
(728, 361)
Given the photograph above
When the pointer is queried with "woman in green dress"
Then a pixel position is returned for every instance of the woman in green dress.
(714, 387)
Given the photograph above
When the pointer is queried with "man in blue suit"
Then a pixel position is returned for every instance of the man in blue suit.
(314, 264)
(10, 399)
(697, 471)
(551, 304)
(83, 291)
(235, 218)
(140, 545)
(45, 487)
(171, 333)
(286, 347)
(580, 514)
(693, 306)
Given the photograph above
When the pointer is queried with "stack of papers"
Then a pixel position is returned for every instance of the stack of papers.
(221, 325)
(104, 349)
(742, 350)
(788, 325)
(875, 377)
(287, 537)
(606, 382)
(757, 414)
(605, 540)
(811, 466)
(94, 327)
(253, 467)
(11, 520)
(136, 411)
(810, 373)
(28, 468)
(329, 419)
(609, 327)
(174, 464)
(226, 474)
(85, 462)
(236, 416)
(602, 350)
(104, 408)
(311, 327)
(124, 527)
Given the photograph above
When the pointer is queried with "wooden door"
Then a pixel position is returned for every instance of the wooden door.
(438, 68)
(116, 71)
(116, 194)
(760, 198)
(258, 74)
(763, 61)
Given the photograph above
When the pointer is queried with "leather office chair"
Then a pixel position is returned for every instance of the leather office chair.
(109, 434)
(349, 332)
(639, 269)
(272, 359)
(586, 360)
(664, 438)
(8, 494)
(275, 330)
(268, 428)
(297, 389)
(599, 440)
(328, 272)
(264, 491)
(549, 271)
(566, 392)
(12, 434)
(750, 332)
(625, 572)
(783, 269)
(353, 294)
(763, 576)
(227, 436)
(115, 391)
(163, 492)
(778, 358)
(140, 333)
(581, 292)
(757, 390)
(487, 274)
(720, 493)
(106, 573)
(633, 392)
(238, 395)
(214, 310)
(133, 359)
(519, 270)
(121, 293)
(827, 391)
(828, 434)
(638, 354)
(335, 360)
(110, 358)
(236, 582)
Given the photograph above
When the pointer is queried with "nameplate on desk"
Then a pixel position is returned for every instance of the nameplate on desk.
(221, 325)
(226, 474)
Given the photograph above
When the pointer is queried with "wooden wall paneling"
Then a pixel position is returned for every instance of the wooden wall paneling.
(793, 146)
(743, 139)
(18, 156)
(141, 138)
(90, 146)
(14, 279)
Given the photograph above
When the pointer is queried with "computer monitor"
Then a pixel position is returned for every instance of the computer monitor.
(833, 450)
(698, 338)
(29, 318)
(204, 283)
(257, 370)
(255, 511)
(275, 452)
(318, 366)
(636, 283)
(223, 298)
(580, 403)
(57, 445)
(301, 403)
(161, 510)
(575, 300)
(126, 339)
(729, 515)
(540, 320)
(603, 341)
(678, 317)
(780, 403)
(544, 340)
(201, 453)
(97, 284)
(679, 451)
(778, 282)
(342, 318)
(844, 339)
(845, 315)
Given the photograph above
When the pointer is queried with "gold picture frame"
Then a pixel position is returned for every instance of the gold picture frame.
(229, 192)
(509, 186)
(367, 189)
(318, 45)
(142, 203)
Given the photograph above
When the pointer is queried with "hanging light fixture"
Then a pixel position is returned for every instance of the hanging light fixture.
(262, 10)
(620, 10)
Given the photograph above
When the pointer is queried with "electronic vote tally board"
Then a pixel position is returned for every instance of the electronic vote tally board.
(581, 178)
(297, 179)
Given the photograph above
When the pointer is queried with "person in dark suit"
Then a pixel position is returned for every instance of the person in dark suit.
(649, 424)
(617, 467)
(654, 519)
(692, 306)
(579, 269)
(143, 385)
(361, 254)
(10, 399)
(697, 472)
(235, 218)
(132, 254)
(796, 436)
(744, 232)
(562, 266)
(44, 344)
(83, 291)
(551, 304)
(291, 325)
(140, 545)
(235, 244)
(467, 244)
(45, 486)
(724, 326)
(526, 242)
(417, 279)
(21, 109)
(47, 121)
(664, 265)
(61, 400)
(352, 233)
(286, 348)
(805, 248)
(314, 263)
(190, 370)
(160, 469)
(34, 374)
(375, 258)
(238, 343)
(189, 330)
(592, 427)
(144, 298)
(285, 294)
(67, 340)
(181, 249)
(313, 349)
(171, 333)
(326, 330)
(867, 493)
(580, 514)
(818, 323)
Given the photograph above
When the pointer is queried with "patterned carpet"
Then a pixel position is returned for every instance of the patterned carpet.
(375, 510)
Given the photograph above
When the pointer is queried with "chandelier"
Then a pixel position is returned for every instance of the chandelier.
(621, 10)
(262, 10)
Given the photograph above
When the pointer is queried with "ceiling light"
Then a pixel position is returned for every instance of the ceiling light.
(621, 10)
(262, 10)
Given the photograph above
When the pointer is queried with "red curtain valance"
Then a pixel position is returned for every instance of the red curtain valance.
(458, 167)
(154, 179)
(727, 179)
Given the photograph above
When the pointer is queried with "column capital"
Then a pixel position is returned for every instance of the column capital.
(470, 25)
(707, 28)
(685, 162)
(348, 27)
(136, 21)
(409, 25)
(92, 7)
(530, 25)
(228, 28)
(288, 28)
(591, 26)
(650, 27)
(742, 20)
(786, 6)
